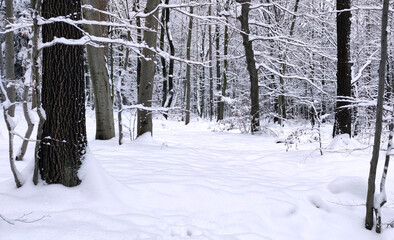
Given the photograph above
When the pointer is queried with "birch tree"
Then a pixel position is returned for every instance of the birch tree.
(371, 205)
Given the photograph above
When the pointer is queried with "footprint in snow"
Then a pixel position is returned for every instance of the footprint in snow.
(319, 203)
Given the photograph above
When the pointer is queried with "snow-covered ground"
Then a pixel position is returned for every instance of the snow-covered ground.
(189, 182)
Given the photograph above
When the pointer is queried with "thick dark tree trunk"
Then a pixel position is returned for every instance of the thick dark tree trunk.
(63, 141)
(343, 115)
(251, 65)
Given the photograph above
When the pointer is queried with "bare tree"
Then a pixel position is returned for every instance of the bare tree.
(251, 65)
(342, 123)
(210, 42)
(225, 65)
(170, 94)
(148, 67)
(10, 56)
(63, 144)
(370, 205)
(10, 127)
(100, 79)
(188, 67)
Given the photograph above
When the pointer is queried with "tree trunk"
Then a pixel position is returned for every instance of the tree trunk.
(343, 116)
(10, 127)
(1, 59)
(148, 66)
(36, 99)
(210, 66)
(136, 7)
(30, 124)
(170, 94)
(225, 66)
(10, 56)
(163, 20)
(188, 68)
(63, 145)
(100, 79)
(218, 78)
(251, 65)
(202, 75)
(379, 115)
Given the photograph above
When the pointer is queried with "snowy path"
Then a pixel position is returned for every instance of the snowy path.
(192, 183)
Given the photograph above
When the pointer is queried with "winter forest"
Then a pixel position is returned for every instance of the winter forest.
(200, 120)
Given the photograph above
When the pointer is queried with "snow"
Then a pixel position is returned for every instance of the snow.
(187, 182)
(344, 142)
(356, 186)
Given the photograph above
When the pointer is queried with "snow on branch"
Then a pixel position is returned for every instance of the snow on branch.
(151, 109)
(263, 65)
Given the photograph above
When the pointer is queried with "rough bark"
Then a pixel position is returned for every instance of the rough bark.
(342, 123)
(144, 122)
(100, 79)
(63, 142)
(251, 65)
(378, 127)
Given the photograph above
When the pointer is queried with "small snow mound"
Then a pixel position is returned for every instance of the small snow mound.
(346, 184)
(145, 138)
(98, 184)
(344, 142)
(319, 203)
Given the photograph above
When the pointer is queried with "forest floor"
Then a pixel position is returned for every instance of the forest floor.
(191, 182)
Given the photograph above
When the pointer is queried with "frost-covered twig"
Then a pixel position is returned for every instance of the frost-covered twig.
(22, 219)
